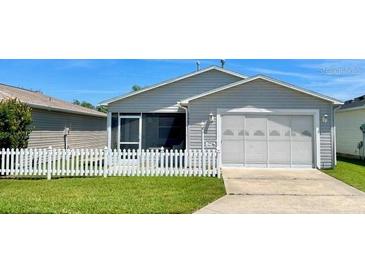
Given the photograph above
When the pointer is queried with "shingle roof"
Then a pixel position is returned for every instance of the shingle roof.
(354, 103)
(266, 78)
(132, 93)
(42, 101)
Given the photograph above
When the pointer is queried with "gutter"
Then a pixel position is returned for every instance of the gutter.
(66, 110)
(181, 105)
(334, 146)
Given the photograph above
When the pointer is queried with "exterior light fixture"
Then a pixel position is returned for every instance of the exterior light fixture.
(211, 117)
(325, 118)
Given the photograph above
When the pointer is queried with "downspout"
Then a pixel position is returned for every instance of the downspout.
(334, 145)
(179, 104)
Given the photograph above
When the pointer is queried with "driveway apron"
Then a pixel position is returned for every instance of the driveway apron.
(254, 190)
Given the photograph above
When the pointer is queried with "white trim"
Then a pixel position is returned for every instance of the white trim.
(140, 131)
(313, 112)
(314, 94)
(163, 110)
(186, 124)
(109, 129)
(118, 141)
(170, 82)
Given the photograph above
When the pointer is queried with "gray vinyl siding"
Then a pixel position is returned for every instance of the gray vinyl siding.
(85, 131)
(258, 94)
(349, 135)
(164, 99)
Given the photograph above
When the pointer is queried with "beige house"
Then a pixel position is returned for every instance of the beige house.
(58, 123)
(349, 119)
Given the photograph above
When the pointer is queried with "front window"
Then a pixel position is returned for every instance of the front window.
(156, 130)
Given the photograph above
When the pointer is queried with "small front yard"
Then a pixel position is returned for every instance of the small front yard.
(351, 172)
(109, 195)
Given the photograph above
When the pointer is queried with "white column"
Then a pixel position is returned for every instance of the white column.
(202, 136)
(109, 129)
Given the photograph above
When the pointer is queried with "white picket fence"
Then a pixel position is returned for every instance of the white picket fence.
(104, 162)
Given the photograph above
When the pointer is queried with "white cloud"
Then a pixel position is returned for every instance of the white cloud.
(342, 79)
(283, 73)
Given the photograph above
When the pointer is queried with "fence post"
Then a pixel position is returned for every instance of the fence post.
(106, 161)
(49, 162)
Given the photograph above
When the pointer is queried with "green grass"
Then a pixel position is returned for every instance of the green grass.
(350, 171)
(109, 195)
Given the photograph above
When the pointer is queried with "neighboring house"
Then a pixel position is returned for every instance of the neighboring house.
(58, 123)
(349, 118)
(254, 121)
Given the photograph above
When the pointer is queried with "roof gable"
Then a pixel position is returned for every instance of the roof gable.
(265, 78)
(42, 101)
(106, 102)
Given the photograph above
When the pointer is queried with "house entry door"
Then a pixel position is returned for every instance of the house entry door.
(129, 132)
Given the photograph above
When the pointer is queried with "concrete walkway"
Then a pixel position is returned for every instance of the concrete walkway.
(254, 190)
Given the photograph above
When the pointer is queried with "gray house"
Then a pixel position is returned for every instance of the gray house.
(254, 121)
(58, 123)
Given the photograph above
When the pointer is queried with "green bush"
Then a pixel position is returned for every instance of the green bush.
(15, 124)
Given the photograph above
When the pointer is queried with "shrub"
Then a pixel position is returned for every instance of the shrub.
(15, 124)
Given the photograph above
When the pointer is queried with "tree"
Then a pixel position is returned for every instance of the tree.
(91, 106)
(15, 124)
(87, 105)
(136, 88)
(103, 109)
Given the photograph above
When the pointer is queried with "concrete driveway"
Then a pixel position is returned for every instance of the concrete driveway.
(254, 190)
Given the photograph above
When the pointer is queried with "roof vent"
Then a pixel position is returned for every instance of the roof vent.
(197, 65)
(223, 62)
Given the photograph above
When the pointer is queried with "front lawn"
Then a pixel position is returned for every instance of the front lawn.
(109, 195)
(351, 172)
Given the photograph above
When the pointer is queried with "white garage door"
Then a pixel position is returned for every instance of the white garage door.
(267, 141)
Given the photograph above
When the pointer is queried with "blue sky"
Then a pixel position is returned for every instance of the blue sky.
(97, 80)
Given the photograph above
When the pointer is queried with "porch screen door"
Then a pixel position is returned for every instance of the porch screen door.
(130, 132)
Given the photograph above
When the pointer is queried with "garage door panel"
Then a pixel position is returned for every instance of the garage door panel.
(279, 140)
(232, 139)
(302, 140)
(302, 153)
(256, 140)
(279, 153)
(256, 152)
(233, 153)
(302, 126)
(268, 140)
